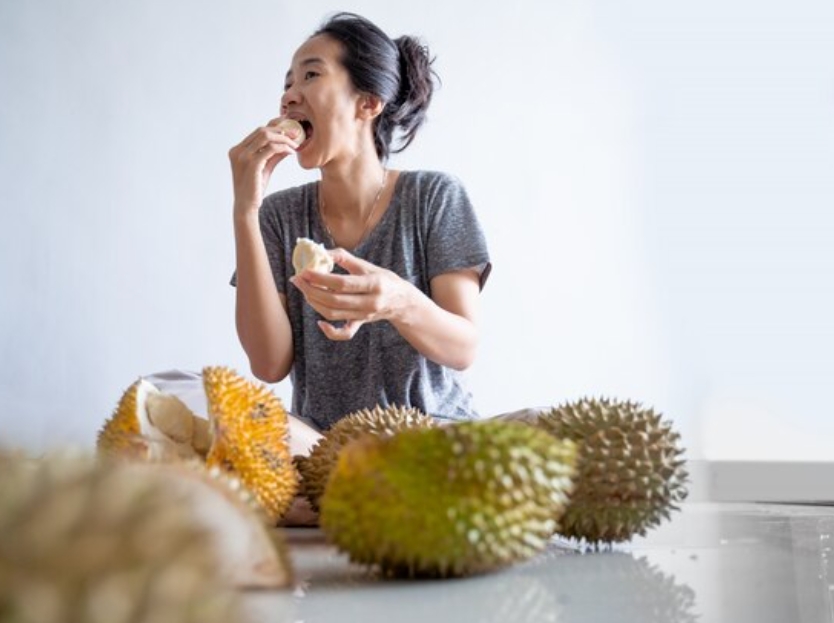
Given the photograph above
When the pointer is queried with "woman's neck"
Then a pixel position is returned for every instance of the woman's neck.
(348, 190)
(352, 199)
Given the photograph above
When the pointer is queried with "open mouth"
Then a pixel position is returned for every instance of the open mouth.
(308, 132)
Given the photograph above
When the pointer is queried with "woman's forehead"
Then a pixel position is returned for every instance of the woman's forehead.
(319, 49)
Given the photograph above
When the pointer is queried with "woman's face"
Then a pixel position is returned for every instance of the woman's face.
(319, 94)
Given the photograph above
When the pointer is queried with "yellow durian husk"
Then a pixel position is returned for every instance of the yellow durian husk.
(121, 434)
(147, 425)
(250, 431)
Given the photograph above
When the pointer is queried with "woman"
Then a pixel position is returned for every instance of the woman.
(395, 323)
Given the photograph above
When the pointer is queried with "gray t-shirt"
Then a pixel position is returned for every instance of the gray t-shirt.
(429, 228)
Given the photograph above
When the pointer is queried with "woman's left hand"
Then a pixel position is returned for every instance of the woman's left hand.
(367, 294)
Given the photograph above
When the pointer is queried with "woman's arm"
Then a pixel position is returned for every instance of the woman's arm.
(263, 325)
(442, 328)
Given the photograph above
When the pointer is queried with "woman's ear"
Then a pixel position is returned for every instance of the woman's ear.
(370, 106)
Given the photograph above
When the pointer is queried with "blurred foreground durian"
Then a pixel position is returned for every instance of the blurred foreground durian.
(382, 422)
(630, 471)
(250, 438)
(251, 555)
(450, 501)
(92, 543)
(150, 425)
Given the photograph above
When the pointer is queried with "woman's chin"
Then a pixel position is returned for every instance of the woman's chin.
(304, 160)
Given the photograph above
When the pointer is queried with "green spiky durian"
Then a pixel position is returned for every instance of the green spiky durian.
(450, 501)
(250, 438)
(315, 469)
(90, 543)
(151, 425)
(630, 472)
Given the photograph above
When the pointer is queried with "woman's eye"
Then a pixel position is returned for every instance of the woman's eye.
(310, 74)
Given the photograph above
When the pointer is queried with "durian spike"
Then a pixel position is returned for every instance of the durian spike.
(250, 438)
(460, 499)
(121, 434)
(630, 473)
(379, 421)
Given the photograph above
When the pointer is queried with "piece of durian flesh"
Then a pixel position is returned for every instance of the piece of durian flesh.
(311, 255)
(148, 424)
(293, 129)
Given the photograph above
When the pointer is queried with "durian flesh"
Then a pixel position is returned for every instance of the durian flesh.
(315, 469)
(450, 501)
(311, 255)
(148, 424)
(630, 474)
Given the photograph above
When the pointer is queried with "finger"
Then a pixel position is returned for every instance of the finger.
(250, 137)
(272, 137)
(342, 333)
(341, 284)
(334, 306)
(261, 135)
(351, 263)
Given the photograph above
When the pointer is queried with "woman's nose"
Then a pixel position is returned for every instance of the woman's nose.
(290, 96)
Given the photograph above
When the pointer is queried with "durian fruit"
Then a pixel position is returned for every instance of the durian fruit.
(379, 421)
(449, 501)
(148, 424)
(88, 542)
(630, 471)
(309, 254)
(250, 438)
(251, 555)
(293, 129)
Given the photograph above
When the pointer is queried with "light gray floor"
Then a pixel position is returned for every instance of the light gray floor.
(712, 562)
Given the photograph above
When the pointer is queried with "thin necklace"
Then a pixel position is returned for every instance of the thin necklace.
(322, 206)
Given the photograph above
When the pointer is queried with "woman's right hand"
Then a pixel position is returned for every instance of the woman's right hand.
(254, 159)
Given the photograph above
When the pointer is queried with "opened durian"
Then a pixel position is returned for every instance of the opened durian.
(315, 469)
(448, 501)
(250, 433)
(148, 424)
(92, 543)
(630, 471)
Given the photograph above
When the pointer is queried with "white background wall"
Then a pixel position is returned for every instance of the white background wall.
(656, 180)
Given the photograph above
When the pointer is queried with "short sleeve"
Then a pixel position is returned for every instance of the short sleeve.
(455, 237)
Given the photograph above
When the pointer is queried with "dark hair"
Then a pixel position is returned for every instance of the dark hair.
(398, 72)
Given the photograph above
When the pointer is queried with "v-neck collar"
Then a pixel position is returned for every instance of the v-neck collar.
(372, 234)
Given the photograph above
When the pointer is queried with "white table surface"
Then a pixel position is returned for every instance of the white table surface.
(712, 562)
